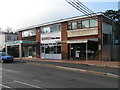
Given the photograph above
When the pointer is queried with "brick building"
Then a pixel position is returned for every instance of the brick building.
(76, 38)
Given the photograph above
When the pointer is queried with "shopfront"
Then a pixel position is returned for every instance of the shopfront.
(83, 49)
(83, 39)
(51, 42)
(26, 48)
(29, 51)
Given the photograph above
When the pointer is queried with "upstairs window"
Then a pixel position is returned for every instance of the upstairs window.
(50, 29)
(79, 25)
(74, 25)
(69, 26)
(93, 23)
(85, 24)
(82, 24)
(8, 37)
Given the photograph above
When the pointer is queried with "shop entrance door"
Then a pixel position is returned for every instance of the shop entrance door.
(31, 51)
(78, 51)
(84, 51)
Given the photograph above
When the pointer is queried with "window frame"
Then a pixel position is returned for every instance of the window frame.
(95, 20)
(69, 27)
(88, 23)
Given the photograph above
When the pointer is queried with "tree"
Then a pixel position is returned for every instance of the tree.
(10, 30)
(115, 15)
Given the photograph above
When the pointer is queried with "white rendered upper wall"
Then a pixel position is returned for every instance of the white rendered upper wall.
(7, 38)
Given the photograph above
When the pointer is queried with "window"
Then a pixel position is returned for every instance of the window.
(79, 26)
(69, 26)
(85, 24)
(93, 23)
(55, 28)
(42, 49)
(47, 49)
(74, 25)
(49, 29)
(82, 24)
(106, 38)
(8, 37)
(58, 49)
(31, 32)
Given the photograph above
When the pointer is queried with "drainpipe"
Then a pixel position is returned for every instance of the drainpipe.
(6, 49)
(20, 51)
(86, 52)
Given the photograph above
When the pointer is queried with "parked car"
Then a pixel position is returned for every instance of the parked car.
(5, 57)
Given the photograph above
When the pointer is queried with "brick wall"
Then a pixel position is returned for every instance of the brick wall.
(64, 39)
(20, 35)
(38, 44)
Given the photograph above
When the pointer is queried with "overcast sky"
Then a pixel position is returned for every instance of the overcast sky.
(23, 13)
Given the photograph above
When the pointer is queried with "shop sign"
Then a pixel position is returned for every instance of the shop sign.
(78, 41)
(18, 42)
(82, 32)
(13, 42)
(50, 38)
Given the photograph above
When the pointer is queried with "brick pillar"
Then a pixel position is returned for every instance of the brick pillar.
(100, 37)
(20, 35)
(38, 44)
(64, 39)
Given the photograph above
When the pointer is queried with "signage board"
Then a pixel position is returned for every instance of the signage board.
(82, 32)
(18, 42)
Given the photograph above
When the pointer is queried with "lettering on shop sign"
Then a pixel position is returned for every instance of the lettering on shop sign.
(82, 32)
(50, 38)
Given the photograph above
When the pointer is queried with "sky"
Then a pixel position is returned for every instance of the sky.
(24, 13)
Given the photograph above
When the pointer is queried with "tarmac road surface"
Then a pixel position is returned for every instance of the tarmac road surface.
(19, 75)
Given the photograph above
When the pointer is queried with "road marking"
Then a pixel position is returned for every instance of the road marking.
(11, 71)
(0, 76)
(5, 86)
(27, 84)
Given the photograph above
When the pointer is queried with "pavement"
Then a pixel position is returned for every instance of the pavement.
(106, 68)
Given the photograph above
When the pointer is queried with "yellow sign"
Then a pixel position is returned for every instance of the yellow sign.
(82, 32)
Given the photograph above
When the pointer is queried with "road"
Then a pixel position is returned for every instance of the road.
(24, 75)
(79, 66)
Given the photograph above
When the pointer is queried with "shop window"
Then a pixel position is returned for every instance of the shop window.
(58, 43)
(57, 38)
(47, 49)
(93, 23)
(50, 50)
(58, 49)
(85, 24)
(42, 49)
(106, 39)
